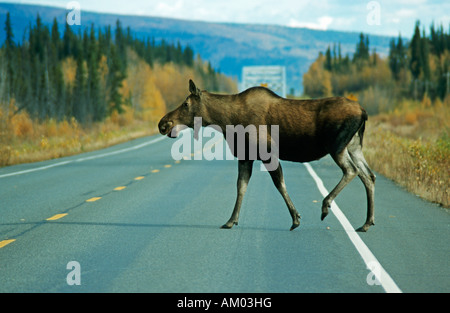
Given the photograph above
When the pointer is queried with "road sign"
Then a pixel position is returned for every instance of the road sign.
(272, 77)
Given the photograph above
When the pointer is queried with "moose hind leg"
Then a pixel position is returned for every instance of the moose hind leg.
(368, 179)
(278, 180)
(349, 169)
(245, 172)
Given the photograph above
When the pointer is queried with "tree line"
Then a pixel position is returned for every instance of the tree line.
(413, 69)
(79, 74)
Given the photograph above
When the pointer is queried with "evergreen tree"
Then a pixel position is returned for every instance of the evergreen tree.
(97, 106)
(68, 44)
(424, 55)
(188, 56)
(120, 41)
(393, 61)
(397, 57)
(362, 49)
(328, 61)
(9, 48)
(115, 82)
(415, 63)
(9, 41)
(79, 92)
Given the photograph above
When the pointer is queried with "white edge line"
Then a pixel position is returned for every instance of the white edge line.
(35, 169)
(369, 259)
(84, 159)
(120, 151)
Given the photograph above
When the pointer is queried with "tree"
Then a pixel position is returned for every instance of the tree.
(328, 62)
(116, 76)
(415, 63)
(79, 92)
(9, 41)
(96, 103)
(188, 56)
(68, 44)
(362, 49)
(317, 81)
(424, 55)
(397, 57)
(10, 59)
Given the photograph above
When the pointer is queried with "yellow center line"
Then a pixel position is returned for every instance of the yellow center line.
(177, 162)
(6, 242)
(139, 178)
(120, 188)
(93, 199)
(155, 171)
(56, 217)
(167, 166)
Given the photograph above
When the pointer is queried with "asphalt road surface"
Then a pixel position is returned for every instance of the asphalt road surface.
(132, 219)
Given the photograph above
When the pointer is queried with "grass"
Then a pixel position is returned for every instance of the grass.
(411, 146)
(23, 140)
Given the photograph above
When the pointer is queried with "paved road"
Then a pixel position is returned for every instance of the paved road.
(134, 220)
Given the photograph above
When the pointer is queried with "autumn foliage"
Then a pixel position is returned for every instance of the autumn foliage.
(407, 95)
(62, 94)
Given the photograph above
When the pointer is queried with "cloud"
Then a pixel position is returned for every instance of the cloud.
(168, 8)
(321, 23)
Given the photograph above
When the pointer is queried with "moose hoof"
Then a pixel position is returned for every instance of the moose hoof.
(296, 222)
(325, 207)
(364, 228)
(228, 225)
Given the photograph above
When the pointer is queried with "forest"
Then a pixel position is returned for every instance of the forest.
(414, 69)
(85, 85)
(407, 95)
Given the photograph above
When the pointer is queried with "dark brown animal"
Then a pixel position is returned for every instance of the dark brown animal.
(308, 130)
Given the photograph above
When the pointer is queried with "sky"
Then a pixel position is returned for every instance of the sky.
(381, 17)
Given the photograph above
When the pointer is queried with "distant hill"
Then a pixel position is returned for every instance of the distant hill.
(227, 46)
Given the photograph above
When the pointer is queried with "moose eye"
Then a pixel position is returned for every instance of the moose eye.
(185, 104)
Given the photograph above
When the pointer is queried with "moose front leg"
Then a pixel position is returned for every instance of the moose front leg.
(245, 172)
(278, 180)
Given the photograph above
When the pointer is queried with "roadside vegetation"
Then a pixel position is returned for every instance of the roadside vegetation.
(407, 96)
(411, 146)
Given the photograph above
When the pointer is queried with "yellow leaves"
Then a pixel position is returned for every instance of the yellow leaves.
(123, 119)
(352, 97)
(44, 142)
(172, 81)
(103, 70)
(146, 98)
(69, 69)
(21, 125)
(411, 146)
(317, 81)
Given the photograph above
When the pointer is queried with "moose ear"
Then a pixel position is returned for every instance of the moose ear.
(193, 89)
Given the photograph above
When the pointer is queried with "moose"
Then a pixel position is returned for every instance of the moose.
(307, 130)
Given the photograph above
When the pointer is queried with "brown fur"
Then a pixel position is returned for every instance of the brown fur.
(308, 130)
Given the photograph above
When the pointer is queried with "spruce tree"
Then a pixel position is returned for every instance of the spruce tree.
(328, 62)
(115, 82)
(9, 41)
(415, 63)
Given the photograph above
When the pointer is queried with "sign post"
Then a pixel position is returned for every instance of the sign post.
(272, 77)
